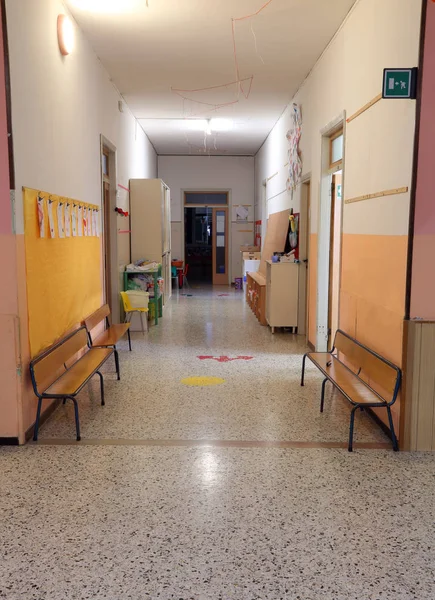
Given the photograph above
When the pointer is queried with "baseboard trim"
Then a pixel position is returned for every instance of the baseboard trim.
(9, 441)
(44, 416)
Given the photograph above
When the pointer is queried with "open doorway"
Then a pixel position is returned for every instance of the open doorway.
(198, 224)
(206, 239)
(330, 236)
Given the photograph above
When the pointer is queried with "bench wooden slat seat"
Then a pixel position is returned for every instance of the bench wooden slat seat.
(366, 379)
(74, 380)
(112, 334)
(62, 370)
(356, 390)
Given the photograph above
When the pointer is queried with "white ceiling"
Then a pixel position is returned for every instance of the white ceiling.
(188, 45)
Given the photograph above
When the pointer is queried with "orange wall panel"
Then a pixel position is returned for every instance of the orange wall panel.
(348, 309)
(374, 268)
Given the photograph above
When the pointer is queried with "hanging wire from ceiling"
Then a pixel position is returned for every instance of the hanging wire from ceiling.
(239, 81)
(244, 84)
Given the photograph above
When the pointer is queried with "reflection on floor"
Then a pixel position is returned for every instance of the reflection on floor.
(181, 492)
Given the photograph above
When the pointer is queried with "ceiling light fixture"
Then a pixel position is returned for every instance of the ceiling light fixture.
(196, 124)
(221, 124)
(108, 6)
(65, 34)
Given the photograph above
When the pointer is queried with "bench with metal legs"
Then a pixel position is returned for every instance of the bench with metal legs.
(64, 369)
(356, 371)
(110, 336)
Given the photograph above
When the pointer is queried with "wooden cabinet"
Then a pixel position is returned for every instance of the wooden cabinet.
(282, 287)
(256, 295)
(150, 218)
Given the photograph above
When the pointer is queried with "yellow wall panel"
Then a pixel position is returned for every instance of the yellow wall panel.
(63, 277)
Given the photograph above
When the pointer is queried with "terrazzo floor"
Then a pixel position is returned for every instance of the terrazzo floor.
(211, 511)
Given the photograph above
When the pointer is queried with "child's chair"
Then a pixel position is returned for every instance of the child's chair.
(129, 310)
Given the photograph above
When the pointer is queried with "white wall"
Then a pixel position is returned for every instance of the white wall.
(378, 157)
(61, 105)
(348, 75)
(204, 173)
(379, 143)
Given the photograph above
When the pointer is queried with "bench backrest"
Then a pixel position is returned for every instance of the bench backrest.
(50, 364)
(367, 363)
(95, 318)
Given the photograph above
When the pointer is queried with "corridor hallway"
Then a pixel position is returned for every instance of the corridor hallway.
(179, 492)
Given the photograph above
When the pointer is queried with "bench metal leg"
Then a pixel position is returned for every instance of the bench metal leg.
(115, 351)
(38, 416)
(303, 370)
(76, 413)
(101, 388)
(393, 433)
(129, 338)
(352, 423)
(322, 400)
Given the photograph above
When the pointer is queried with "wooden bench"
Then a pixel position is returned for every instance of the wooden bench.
(62, 371)
(110, 336)
(366, 379)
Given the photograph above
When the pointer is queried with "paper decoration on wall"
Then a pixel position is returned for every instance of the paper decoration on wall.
(89, 221)
(80, 221)
(85, 220)
(67, 219)
(294, 157)
(41, 216)
(97, 223)
(51, 219)
(74, 220)
(60, 221)
(94, 227)
(242, 213)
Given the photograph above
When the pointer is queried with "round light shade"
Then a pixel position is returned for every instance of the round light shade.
(65, 34)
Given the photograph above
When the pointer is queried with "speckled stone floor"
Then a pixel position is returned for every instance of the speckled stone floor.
(261, 400)
(119, 520)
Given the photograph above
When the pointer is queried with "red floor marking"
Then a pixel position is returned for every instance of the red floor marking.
(225, 358)
(221, 295)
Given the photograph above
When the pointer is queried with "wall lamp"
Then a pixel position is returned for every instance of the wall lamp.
(65, 35)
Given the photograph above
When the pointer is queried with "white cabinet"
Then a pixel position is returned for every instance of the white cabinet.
(150, 219)
(282, 291)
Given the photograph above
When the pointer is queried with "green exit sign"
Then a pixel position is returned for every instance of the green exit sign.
(400, 83)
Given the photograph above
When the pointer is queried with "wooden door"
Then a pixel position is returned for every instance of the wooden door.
(220, 246)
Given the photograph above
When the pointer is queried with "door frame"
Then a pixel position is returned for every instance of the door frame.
(304, 256)
(324, 228)
(214, 246)
(228, 206)
(109, 224)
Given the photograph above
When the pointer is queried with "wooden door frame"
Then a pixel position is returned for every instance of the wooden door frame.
(108, 224)
(227, 206)
(323, 231)
(304, 249)
(213, 244)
